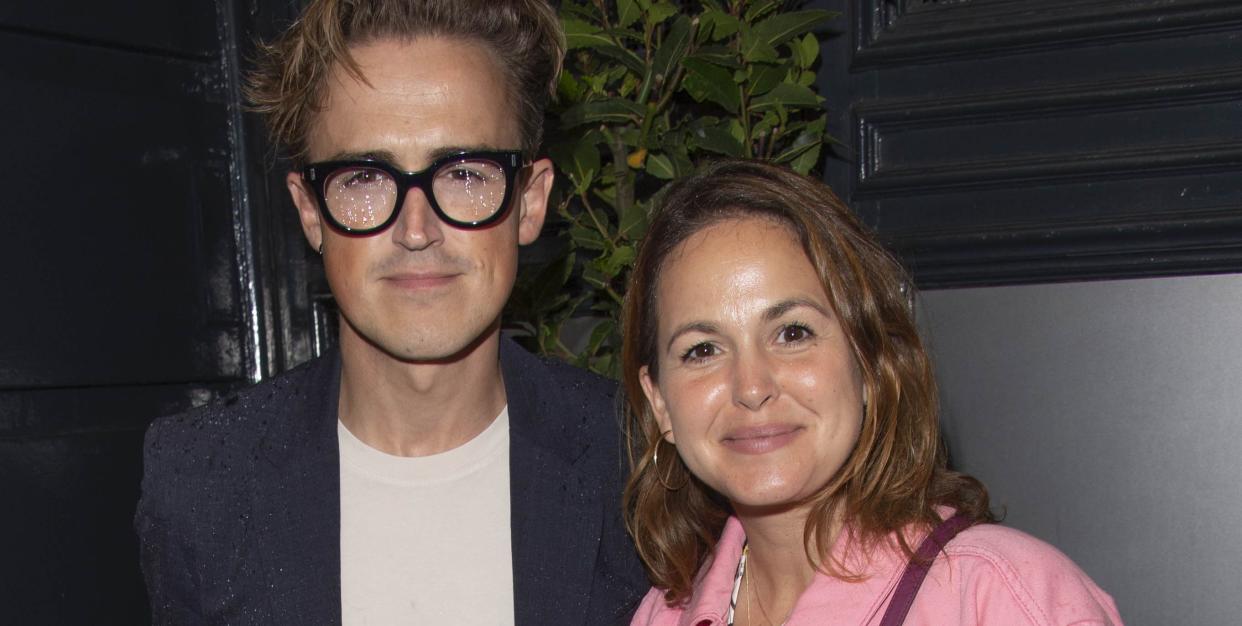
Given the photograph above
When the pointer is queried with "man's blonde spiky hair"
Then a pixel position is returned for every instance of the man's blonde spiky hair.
(287, 83)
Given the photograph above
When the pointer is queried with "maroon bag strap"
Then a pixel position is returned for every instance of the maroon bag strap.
(916, 569)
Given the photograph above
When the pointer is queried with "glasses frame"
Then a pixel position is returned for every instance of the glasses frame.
(510, 162)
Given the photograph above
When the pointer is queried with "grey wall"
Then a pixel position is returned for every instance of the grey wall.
(1104, 417)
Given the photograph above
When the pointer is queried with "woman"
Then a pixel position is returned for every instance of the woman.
(784, 430)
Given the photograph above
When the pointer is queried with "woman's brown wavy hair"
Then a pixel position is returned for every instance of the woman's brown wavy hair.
(897, 473)
(287, 84)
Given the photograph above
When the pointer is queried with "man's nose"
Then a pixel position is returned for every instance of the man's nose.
(418, 227)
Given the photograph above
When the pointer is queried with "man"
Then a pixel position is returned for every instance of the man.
(430, 472)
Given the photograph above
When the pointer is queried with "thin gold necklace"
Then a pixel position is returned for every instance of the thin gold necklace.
(749, 599)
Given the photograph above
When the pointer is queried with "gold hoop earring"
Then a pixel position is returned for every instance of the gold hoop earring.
(662, 477)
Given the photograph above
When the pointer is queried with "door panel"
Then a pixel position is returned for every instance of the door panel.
(996, 141)
(147, 265)
(999, 142)
(120, 209)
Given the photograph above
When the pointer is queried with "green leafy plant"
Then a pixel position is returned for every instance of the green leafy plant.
(651, 87)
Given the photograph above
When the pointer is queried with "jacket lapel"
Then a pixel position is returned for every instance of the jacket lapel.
(556, 514)
(296, 530)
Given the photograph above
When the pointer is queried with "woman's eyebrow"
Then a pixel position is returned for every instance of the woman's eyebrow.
(702, 327)
(784, 306)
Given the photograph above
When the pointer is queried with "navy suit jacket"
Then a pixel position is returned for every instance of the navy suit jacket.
(239, 520)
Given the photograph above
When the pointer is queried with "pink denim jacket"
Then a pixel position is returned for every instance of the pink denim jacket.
(987, 575)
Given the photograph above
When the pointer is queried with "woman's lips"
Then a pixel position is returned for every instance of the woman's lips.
(761, 439)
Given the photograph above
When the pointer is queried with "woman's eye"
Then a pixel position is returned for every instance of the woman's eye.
(794, 333)
(698, 352)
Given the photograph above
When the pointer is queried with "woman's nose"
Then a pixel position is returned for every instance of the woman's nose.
(754, 383)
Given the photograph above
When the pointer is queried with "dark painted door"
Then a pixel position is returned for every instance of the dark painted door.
(137, 256)
(1006, 141)
(994, 142)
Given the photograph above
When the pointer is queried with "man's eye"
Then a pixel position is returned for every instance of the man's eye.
(357, 178)
(463, 175)
(471, 174)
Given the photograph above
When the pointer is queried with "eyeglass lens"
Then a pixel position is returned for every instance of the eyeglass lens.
(466, 191)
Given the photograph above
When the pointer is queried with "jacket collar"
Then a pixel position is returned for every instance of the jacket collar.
(881, 568)
(555, 505)
(556, 512)
(297, 503)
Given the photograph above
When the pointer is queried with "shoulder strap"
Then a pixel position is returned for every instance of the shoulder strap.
(916, 570)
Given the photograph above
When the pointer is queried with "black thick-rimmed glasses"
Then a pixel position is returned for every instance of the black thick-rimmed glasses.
(465, 189)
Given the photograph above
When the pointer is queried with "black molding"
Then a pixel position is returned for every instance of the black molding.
(1144, 245)
(930, 156)
(907, 31)
(872, 121)
(326, 322)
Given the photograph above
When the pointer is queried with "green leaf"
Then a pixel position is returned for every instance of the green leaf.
(805, 51)
(612, 110)
(806, 161)
(579, 160)
(782, 27)
(719, 140)
(628, 12)
(628, 85)
(758, 9)
(764, 77)
(756, 50)
(611, 264)
(593, 276)
(659, 12)
(769, 121)
(633, 221)
(671, 51)
(710, 82)
(787, 95)
(580, 34)
(625, 56)
(717, 55)
(587, 238)
(803, 152)
(682, 165)
(660, 166)
(585, 163)
(602, 332)
(568, 88)
(717, 25)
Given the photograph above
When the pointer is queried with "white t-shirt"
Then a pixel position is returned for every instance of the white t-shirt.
(426, 540)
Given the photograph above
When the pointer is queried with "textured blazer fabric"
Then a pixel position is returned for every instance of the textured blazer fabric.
(239, 520)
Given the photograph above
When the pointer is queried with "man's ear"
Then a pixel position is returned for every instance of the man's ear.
(534, 201)
(659, 410)
(308, 209)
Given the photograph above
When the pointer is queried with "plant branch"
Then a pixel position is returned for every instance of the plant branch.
(620, 169)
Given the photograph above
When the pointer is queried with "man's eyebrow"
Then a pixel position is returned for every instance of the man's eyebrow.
(703, 327)
(391, 158)
(439, 153)
(369, 155)
(784, 306)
